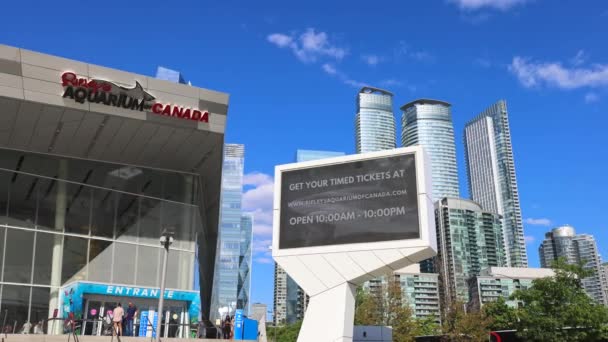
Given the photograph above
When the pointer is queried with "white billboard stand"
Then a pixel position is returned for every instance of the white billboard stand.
(341, 221)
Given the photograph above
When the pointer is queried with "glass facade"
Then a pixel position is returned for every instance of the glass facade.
(65, 220)
(429, 123)
(563, 242)
(375, 121)
(491, 175)
(244, 287)
(232, 279)
(469, 240)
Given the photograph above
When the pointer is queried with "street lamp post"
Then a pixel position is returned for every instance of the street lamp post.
(166, 239)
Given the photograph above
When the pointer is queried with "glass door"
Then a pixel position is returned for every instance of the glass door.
(92, 313)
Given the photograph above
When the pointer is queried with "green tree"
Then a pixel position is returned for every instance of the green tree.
(558, 309)
(459, 325)
(287, 333)
(427, 326)
(503, 316)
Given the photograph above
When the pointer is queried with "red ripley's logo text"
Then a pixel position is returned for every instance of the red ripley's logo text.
(111, 94)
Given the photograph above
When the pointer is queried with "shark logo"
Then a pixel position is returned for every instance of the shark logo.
(136, 92)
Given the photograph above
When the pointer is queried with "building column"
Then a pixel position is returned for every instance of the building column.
(57, 258)
(186, 264)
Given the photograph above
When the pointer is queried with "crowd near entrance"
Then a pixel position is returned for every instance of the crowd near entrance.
(138, 319)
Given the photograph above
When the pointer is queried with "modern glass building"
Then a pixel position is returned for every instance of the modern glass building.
(232, 276)
(375, 121)
(496, 282)
(563, 242)
(429, 123)
(491, 175)
(290, 300)
(469, 240)
(88, 182)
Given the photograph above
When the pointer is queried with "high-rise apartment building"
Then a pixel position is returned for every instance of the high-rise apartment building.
(563, 242)
(231, 279)
(421, 292)
(429, 123)
(375, 121)
(491, 175)
(279, 311)
(496, 282)
(469, 240)
(290, 300)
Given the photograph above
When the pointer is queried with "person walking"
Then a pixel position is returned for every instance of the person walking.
(226, 327)
(129, 317)
(118, 316)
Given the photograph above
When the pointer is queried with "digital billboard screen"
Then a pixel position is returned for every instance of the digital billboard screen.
(361, 201)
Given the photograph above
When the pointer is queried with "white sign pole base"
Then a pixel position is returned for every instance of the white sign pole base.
(330, 315)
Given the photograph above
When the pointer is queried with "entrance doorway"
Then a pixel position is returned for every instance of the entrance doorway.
(175, 321)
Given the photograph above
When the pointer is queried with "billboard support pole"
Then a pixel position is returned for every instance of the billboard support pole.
(336, 305)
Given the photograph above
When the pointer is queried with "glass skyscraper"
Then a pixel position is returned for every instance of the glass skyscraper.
(491, 175)
(469, 240)
(232, 278)
(290, 300)
(429, 123)
(575, 248)
(375, 121)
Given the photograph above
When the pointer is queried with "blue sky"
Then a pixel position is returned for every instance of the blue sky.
(293, 70)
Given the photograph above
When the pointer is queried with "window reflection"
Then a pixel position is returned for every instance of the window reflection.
(18, 258)
(124, 261)
(74, 259)
(47, 204)
(127, 217)
(78, 209)
(44, 257)
(22, 202)
(15, 304)
(39, 311)
(4, 191)
(104, 203)
(148, 266)
(100, 259)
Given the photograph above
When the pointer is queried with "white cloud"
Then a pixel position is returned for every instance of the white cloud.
(256, 178)
(263, 260)
(472, 5)
(372, 60)
(280, 40)
(404, 50)
(258, 201)
(331, 70)
(533, 74)
(538, 221)
(309, 46)
(529, 239)
(591, 97)
(579, 59)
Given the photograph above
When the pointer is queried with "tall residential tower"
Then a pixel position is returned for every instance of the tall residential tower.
(429, 123)
(491, 175)
(375, 121)
(563, 242)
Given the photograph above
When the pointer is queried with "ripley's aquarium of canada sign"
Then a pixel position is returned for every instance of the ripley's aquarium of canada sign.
(111, 94)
